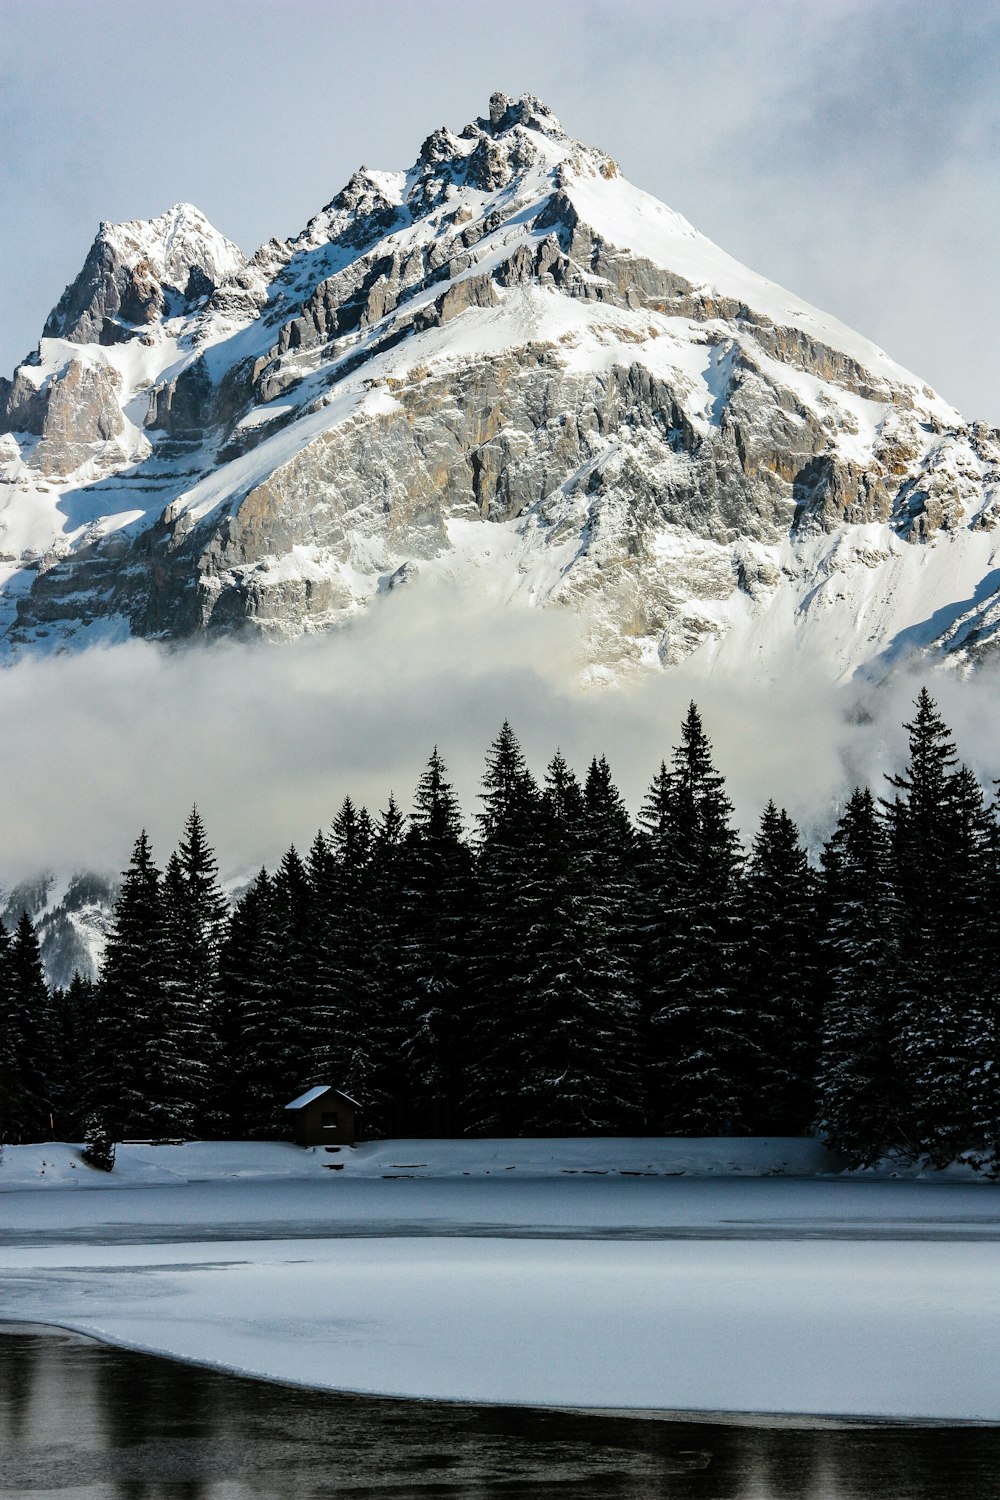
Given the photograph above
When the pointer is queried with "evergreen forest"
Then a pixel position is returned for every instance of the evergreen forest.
(562, 971)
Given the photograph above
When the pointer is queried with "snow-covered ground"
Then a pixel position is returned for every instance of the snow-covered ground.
(736, 1276)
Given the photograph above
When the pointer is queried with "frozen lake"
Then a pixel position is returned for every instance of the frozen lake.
(675, 1276)
(84, 1421)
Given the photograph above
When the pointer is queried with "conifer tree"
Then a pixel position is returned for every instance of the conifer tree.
(779, 979)
(858, 1106)
(698, 1029)
(290, 969)
(435, 907)
(510, 899)
(557, 1089)
(208, 906)
(611, 869)
(209, 911)
(348, 976)
(8, 1044)
(190, 982)
(248, 1030)
(577, 1078)
(328, 1008)
(29, 1038)
(132, 1090)
(933, 868)
(374, 1070)
(73, 1022)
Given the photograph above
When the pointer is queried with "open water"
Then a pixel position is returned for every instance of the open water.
(82, 1421)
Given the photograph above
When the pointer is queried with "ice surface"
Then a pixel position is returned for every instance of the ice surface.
(549, 1274)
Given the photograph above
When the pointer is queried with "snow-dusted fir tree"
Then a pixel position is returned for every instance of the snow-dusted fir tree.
(7, 1044)
(857, 1085)
(937, 840)
(580, 1075)
(26, 1035)
(435, 910)
(290, 968)
(697, 1027)
(206, 915)
(559, 1093)
(190, 982)
(779, 979)
(610, 858)
(137, 1087)
(346, 974)
(73, 1023)
(503, 968)
(247, 1028)
(376, 1072)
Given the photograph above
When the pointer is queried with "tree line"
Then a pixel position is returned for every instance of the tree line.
(562, 971)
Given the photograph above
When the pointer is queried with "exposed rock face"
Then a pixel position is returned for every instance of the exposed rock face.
(81, 415)
(510, 363)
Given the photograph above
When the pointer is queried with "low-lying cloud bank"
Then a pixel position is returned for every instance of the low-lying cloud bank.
(268, 740)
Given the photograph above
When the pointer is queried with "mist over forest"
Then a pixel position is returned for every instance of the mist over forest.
(267, 740)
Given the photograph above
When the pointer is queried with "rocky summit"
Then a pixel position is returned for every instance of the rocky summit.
(506, 366)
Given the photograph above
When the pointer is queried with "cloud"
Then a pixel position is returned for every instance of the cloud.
(268, 740)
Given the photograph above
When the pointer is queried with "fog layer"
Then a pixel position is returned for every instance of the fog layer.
(267, 740)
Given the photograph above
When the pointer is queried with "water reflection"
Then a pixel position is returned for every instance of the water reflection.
(82, 1421)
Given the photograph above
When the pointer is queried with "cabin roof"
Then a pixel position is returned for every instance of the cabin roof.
(317, 1093)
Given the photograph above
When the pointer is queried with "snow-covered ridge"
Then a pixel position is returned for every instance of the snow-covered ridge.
(506, 366)
(174, 242)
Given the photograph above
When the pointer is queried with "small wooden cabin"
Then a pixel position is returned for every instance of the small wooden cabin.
(324, 1116)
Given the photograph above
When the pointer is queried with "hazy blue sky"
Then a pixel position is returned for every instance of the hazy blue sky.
(847, 148)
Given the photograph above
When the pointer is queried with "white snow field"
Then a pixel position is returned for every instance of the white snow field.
(733, 1276)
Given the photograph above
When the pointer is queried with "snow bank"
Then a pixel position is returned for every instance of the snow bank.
(58, 1164)
(61, 1165)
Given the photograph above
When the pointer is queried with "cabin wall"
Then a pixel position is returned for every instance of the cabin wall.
(325, 1122)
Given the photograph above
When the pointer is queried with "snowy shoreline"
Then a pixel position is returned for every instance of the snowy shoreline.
(530, 1279)
(59, 1164)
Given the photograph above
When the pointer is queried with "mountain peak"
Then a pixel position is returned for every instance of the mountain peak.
(527, 110)
(174, 243)
(132, 270)
(507, 362)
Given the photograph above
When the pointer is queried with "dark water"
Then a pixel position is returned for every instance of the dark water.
(78, 1419)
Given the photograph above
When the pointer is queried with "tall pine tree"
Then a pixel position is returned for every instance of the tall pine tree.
(857, 1086)
(503, 971)
(933, 869)
(779, 979)
(698, 1029)
(435, 910)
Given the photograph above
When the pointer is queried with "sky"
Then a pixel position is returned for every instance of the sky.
(847, 149)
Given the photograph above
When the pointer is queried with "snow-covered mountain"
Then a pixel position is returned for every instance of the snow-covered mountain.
(72, 917)
(505, 365)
